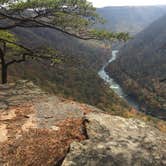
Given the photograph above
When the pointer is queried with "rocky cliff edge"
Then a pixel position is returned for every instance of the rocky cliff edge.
(42, 130)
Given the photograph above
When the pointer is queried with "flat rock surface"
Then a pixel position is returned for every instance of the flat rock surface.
(15, 94)
(115, 141)
(38, 129)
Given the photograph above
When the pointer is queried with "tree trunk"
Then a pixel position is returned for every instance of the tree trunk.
(4, 74)
(3, 68)
(3, 64)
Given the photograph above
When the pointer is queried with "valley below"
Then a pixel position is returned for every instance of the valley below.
(122, 93)
(114, 85)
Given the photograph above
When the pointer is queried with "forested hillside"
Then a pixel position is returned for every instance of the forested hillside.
(141, 68)
(130, 19)
(76, 76)
(93, 52)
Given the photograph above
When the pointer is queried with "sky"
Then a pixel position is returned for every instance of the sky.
(103, 3)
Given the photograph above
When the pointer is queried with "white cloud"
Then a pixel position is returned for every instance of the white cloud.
(102, 3)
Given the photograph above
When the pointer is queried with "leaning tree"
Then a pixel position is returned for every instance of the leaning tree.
(72, 17)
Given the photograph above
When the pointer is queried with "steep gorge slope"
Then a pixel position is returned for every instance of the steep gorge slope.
(141, 66)
(76, 77)
(67, 45)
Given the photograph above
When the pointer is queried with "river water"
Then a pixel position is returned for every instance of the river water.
(114, 85)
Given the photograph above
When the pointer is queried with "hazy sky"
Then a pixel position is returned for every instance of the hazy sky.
(102, 3)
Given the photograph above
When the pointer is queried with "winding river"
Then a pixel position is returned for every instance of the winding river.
(114, 85)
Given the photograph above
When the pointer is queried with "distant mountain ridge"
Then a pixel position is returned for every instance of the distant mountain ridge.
(142, 64)
(131, 19)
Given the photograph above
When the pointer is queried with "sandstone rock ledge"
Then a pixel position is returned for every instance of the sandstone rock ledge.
(115, 141)
(37, 129)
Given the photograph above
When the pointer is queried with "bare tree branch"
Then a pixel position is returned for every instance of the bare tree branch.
(17, 44)
(33, 22)
(23, 59)
(33, 53)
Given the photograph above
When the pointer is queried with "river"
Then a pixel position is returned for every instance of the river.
(114, 85)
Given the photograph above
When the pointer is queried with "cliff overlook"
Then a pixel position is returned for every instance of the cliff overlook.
(41, 129)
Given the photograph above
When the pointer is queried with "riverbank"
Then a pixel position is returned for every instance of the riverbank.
(119, 90)
(114, 85)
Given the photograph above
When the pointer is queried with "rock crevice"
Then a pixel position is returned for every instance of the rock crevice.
(115, 141)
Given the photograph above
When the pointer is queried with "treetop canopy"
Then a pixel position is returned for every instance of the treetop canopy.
(76, 18)
(73, 17)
